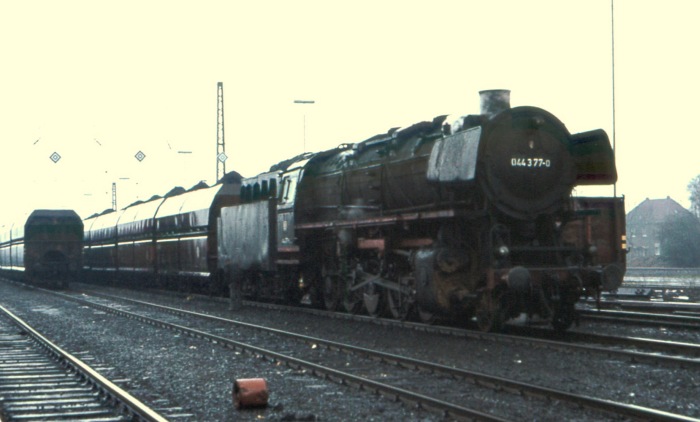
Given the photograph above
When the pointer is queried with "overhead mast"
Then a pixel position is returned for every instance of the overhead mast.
(114, 196)
(220, 139)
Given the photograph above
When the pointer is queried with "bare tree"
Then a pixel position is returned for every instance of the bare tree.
(694, 190)
(680, 240)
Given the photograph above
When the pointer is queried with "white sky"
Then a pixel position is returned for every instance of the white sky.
(99, 81)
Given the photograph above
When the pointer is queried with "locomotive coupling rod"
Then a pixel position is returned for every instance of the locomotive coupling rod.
(366, 282)
(382, 282)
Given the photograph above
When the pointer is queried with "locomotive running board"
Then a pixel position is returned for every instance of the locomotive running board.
(387, 220)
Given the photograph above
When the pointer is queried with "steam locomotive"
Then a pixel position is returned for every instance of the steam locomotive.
(46, 249)
(458, 217)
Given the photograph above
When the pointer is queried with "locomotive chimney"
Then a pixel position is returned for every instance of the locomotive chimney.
(494, 101)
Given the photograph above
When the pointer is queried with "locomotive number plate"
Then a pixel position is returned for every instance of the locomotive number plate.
(530, 162)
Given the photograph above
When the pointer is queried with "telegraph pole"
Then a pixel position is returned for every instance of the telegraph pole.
(220, 140)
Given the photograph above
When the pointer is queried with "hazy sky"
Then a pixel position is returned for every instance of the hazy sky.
(99, 81)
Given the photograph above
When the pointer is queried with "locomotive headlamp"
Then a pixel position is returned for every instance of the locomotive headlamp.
(502, 251)
(536, 122)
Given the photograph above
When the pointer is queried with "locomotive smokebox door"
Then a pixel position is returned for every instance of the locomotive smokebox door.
(453, 159)
(525, 167)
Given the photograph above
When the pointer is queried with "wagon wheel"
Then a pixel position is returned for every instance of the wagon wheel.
(489, 313)
(563, 317)
(425, 316)
(352, 299)
(399, 302)
(291, 291)
(373, 295)
(373, 301)
(331, 291)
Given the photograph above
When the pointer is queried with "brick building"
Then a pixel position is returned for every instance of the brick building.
(643, 229)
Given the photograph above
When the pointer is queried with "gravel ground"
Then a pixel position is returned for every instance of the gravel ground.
(199, 376)
(671, 389)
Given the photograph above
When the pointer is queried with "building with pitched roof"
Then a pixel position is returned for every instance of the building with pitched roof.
(644, 229)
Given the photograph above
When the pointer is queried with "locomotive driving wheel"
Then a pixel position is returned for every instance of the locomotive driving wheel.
(372, 300)
(338, 290)
(352, 298)
(490, 315)
(400, 302)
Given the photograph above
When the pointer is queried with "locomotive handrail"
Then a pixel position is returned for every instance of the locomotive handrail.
(392, 219)
(543, 248)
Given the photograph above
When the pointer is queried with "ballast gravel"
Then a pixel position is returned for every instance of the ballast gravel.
(192, 379)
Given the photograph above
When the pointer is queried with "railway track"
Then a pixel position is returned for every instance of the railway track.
(39, 381)
(675, 320)
(649, 306)
(383, 373)
(634, 349)
(629, 348)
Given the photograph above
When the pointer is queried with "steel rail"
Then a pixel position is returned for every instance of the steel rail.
(646, 318)
(475, 378)
(651, 306)
(426, 402)
(136, 409)
(543, 338)
(664, 346)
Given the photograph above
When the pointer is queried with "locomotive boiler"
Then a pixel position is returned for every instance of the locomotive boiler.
(460, 217)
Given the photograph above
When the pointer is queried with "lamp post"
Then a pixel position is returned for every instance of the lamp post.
(183, 154)
(304, 102)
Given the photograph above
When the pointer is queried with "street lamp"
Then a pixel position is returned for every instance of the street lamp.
(304, 102)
